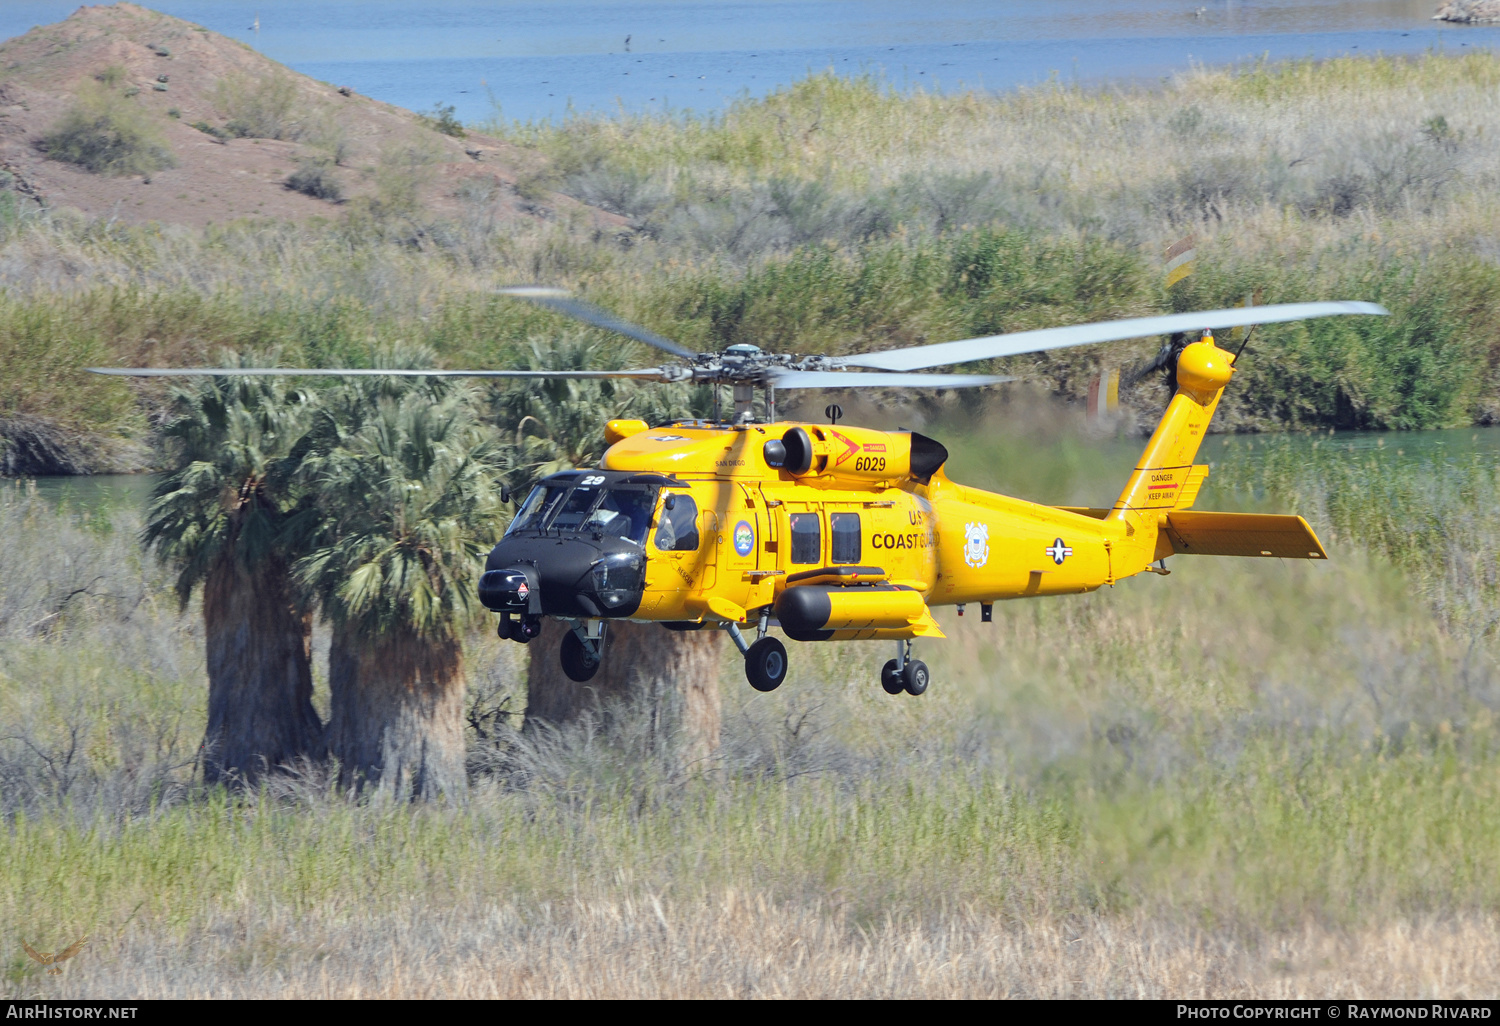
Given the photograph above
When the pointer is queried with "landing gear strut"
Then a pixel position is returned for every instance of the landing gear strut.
(582, 650)
(904, 673)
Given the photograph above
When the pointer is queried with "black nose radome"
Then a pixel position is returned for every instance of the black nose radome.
(506, 589)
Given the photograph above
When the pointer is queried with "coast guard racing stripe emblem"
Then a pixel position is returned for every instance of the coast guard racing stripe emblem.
(1058, 551)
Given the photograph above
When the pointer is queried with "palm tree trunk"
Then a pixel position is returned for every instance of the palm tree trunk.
(397, 714)
(260, 713)
(676, 673)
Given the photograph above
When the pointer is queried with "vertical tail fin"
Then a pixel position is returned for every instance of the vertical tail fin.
(1165, 478)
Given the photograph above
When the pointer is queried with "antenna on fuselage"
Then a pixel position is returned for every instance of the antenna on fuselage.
(833, 411)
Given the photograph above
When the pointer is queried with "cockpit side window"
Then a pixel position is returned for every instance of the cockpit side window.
(678, 529)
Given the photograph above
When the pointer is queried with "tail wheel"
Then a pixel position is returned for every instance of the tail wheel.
(578, 661)
(914, 677)
(766, 664)
(890, 678)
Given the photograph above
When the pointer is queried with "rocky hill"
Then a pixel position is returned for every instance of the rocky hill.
(1469, 12)
(123, 112)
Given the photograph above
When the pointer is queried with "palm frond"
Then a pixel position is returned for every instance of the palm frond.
(220, 498)
(408, 497)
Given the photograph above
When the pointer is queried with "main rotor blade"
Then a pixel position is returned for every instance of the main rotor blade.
(563, 302)
(948, 353)
(856, 379)
(646, 373)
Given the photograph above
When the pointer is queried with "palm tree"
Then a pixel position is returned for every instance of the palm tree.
(219, 514)
(403, 500)
(552, 425)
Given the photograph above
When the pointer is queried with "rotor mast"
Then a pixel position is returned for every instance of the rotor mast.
(744, 402)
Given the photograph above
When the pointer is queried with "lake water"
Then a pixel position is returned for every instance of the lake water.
(538, 60)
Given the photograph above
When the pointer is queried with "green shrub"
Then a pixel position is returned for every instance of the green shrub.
(402, 172)
(214, 130)
(106, 135)
(441, 119)
(259, 109)
(315, 178)
(111, 76)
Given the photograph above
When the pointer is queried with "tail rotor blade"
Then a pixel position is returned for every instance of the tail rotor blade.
(1163, 358)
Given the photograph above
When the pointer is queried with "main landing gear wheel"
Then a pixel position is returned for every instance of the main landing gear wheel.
(914, 677)
(579, 662)
(890, 678)
(766, 664)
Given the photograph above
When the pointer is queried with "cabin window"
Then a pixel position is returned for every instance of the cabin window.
(678, 529)
(843, 530)
(807, 538)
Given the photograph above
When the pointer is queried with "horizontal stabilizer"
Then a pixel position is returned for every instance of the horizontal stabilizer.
(1242, 534)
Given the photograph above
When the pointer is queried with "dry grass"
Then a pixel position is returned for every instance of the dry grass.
(1298, 154)
(746, 945)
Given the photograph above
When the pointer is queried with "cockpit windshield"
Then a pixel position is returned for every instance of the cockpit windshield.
(537, 508)
(596, 511)
(572, 513)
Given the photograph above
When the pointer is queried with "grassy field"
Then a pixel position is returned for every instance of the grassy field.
(837, 215)
(1250, 778)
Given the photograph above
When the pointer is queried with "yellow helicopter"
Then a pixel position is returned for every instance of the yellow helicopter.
(829, 532)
